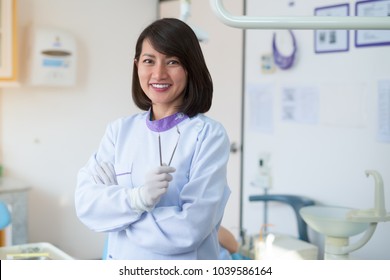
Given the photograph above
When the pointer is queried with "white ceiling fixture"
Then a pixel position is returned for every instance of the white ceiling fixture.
(185, 14)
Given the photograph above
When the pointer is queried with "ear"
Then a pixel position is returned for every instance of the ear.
(136, 62)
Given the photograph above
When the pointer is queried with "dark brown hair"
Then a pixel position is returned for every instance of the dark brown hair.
(173, 37)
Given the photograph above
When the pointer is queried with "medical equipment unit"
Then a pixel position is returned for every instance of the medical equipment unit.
(52, 57)
(338, 224)
(269, 244)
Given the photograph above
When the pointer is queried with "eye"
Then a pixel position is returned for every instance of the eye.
(147, 61)
(173, 62)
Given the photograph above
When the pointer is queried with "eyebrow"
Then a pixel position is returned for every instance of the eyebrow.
(149, 55)
(153, 56)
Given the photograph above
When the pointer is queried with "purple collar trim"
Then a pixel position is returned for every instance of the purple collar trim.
(165, 123)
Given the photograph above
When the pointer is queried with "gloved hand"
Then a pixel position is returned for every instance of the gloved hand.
(105, 174)
(144, 198)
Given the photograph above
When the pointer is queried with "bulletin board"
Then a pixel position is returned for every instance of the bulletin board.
(321, 123)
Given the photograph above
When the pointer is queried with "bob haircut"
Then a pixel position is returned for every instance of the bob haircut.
(173, 37)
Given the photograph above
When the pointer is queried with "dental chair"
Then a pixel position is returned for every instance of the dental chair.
(296, 202)
(282, 246)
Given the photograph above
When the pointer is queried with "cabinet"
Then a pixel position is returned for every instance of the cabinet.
(8, 42)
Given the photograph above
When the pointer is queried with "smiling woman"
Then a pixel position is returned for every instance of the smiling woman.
(157, 184)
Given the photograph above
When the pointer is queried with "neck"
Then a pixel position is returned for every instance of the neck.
(160, 114)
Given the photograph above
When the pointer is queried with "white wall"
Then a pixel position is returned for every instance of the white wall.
(324, 161)
(49, 133)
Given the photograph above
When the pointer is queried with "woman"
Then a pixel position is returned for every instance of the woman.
(157, 183)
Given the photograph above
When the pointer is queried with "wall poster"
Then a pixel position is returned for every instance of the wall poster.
(331, 40)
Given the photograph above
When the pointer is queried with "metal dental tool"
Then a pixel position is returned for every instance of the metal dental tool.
(174, 149)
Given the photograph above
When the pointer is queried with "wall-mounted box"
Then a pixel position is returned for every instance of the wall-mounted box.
(52, 57)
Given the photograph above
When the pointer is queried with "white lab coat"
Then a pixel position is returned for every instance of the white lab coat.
(184, 224)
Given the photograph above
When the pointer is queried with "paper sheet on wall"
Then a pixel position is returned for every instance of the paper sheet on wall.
(261, 107)
(300, 104)
(343, 104)
(384, 111)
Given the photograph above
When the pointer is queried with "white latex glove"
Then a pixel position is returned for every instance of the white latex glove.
(144, 198)
(105, 174)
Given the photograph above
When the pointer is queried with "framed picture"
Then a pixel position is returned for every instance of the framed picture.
(326, 41)
(377, 8)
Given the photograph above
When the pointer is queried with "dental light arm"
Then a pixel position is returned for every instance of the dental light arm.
(303, 22)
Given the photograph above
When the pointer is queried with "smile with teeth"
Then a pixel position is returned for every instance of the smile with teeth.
(160, 86)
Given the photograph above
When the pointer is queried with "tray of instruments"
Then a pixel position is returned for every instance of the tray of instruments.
(33, 251)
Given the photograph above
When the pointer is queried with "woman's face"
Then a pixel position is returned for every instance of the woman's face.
(163, 79)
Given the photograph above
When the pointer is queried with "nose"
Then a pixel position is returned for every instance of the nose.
(160, 71)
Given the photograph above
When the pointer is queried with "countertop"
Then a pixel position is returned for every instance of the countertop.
(12, 185)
